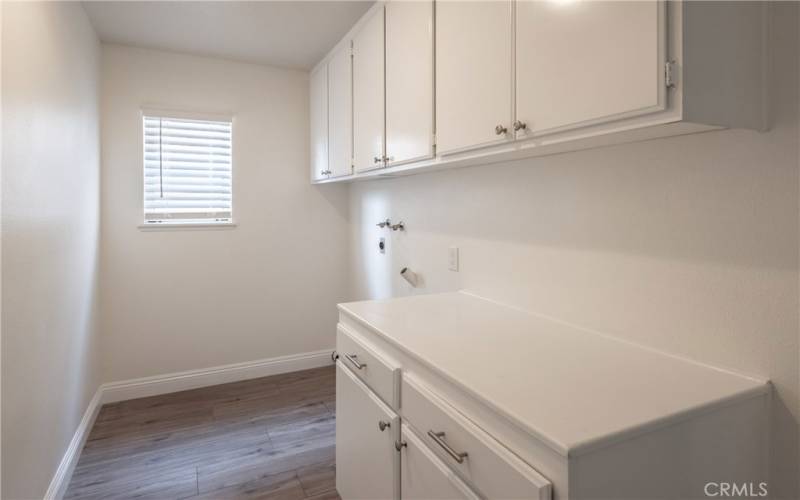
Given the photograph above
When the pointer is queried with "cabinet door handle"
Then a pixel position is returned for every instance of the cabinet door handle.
(518, 125)
(377, 159)
(438, 438)
(383, 425)
(500, 130)
(352, 358)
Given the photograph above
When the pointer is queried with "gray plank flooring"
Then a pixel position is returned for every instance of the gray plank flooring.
(268, 438)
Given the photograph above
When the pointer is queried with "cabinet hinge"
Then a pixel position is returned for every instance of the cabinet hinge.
(669, 74)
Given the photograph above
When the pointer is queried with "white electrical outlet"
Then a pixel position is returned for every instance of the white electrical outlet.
(452, 258)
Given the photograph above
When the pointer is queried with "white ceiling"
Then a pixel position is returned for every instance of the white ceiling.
(292, 34)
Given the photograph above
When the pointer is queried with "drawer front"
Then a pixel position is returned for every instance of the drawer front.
(490, 467)
(424, 476)
(380, 373)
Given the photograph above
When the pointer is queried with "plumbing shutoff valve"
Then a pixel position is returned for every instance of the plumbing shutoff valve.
(400, 226)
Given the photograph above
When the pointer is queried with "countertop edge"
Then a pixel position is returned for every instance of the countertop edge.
(584, 447)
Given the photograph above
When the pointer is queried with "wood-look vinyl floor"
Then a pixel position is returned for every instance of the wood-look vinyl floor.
(268, 438)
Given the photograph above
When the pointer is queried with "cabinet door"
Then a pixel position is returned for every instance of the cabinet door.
(367, 464)
(424, 475)
(473, 74)
(368, 94)
(409, 81)
(580, 63)
(340, 113)
(318, 89)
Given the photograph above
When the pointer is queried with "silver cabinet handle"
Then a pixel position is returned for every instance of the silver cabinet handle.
(500, 130)
(325, 172)
(399, 445)
(438, 438)
(518, 125)
(377, 159)
(352, 358)
(383, 425)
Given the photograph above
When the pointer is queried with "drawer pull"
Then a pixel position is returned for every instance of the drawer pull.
(383, 425)
(352, 358)
(438, 437)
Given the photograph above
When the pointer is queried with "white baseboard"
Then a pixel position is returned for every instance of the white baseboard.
(60, 481)
(193, 379)
(173, 382)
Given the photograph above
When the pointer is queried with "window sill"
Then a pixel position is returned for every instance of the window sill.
(187, 226)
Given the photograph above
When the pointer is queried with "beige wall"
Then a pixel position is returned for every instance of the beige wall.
(179, 300)
(50, 222)
(688, 244)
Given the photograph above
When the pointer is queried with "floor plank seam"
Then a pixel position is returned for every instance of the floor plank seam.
(269, 437)
(297, 478)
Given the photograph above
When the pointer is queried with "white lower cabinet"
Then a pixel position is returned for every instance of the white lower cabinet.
(435, 453)
(492, 469)
(367, 463)
(380, 374)
(424, 476)
(566, 424)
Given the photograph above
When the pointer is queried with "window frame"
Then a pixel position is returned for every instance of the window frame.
(182, 114)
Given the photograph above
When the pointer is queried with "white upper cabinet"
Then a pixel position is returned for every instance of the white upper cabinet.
(578, 63)
(368, 94)
(473, 74)
(512, 79)
(340, 109)
(319, 122)
(409, 81)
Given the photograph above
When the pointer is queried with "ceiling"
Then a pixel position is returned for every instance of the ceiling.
(291, 34)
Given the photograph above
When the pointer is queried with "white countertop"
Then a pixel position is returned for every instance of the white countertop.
(571, 388)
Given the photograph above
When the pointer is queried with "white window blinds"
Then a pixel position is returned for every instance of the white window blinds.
(187, 170)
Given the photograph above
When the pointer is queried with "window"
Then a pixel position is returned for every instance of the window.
(187, 170)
